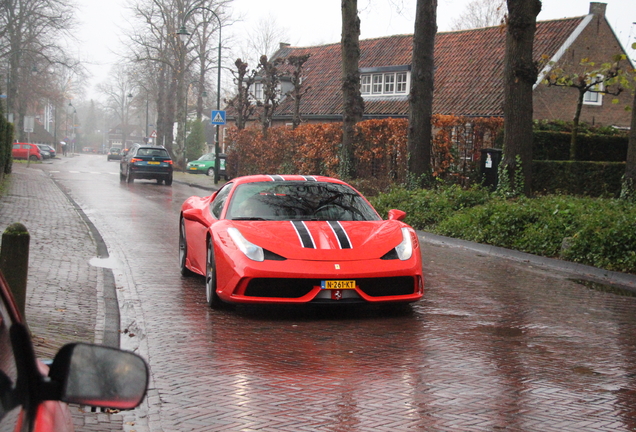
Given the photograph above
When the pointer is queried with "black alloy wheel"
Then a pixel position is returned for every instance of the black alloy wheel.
(183, 250)
(210, 279)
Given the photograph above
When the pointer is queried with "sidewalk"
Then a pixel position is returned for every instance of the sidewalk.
(65, 294)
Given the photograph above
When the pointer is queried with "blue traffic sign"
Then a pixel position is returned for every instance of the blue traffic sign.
(217, 118)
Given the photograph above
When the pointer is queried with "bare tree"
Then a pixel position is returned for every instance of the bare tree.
(605, 79)
(298, 91)
(31, 40)
(421, 96)
(269, 78)
(118, 93)
(520, 74)
(242, 101)
(265, 38)
(353, 104)
(480, 13)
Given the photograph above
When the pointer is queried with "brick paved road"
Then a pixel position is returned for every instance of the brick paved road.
(495, 344)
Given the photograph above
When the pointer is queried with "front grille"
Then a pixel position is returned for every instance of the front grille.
(280, 288)
(295, 288)
(389, 286)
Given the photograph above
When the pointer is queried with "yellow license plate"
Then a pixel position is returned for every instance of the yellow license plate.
(153, 163)
(338, 284)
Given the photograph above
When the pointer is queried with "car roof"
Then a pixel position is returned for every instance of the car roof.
(285, 177)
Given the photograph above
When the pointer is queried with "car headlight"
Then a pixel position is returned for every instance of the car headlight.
(405, 249)
(250, 250)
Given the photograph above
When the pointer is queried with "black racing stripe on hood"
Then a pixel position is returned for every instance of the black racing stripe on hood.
(303, 234)
(341, 235)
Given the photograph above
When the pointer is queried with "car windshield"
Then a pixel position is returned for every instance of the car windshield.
(207, 157)
(298, 200)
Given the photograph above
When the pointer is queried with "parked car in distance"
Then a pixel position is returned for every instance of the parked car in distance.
(34, 397)
(26, 151)
(205, 165)
(146, 162)
(291, 239)
(48, 148)
(113, 154)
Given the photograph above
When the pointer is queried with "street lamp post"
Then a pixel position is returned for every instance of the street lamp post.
(183, 34)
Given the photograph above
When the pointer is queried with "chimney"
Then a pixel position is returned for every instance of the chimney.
(598, 9)
(284, 45)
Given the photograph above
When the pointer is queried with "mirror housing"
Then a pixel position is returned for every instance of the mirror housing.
(99, 376)
(395, 214)
(195, 215)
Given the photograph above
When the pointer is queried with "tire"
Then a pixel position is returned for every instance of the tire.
(210, 172)
(210, 279)
(33, 158)
(130, 177)
(168, 181)
(183, 251)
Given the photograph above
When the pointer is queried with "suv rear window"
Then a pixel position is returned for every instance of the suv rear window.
(153, 152)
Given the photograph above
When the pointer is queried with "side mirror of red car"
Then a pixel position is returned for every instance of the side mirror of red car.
(195, 215)
(395, 214)
(99, 376)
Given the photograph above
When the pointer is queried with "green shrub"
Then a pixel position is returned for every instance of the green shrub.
(427, 207)
(597, 232)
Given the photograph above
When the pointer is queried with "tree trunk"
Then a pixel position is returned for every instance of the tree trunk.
(520, 74)
(629, 182)
(353, 105)
(575, 123)
(421, 96)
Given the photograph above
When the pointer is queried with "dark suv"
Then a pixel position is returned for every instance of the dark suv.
(146, 162)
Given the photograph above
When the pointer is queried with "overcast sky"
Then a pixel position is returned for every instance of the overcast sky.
(313, 22)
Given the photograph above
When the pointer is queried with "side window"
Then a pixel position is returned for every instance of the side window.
(9, 407)
(216, 207)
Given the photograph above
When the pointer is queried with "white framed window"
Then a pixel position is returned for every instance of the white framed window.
(389, 83)
(377, 84)
(365, 84)
(594, 97)
(400, 85)
(258, 91)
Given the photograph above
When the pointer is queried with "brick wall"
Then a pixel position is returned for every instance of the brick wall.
(597, 43)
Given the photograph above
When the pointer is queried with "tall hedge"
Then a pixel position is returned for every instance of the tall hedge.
(555, 145)
(593, 179)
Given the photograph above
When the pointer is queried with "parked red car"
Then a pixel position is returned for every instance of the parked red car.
(33, 397)
(26, 151)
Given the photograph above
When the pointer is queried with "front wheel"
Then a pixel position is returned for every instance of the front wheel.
(183, 250)
(210, 279)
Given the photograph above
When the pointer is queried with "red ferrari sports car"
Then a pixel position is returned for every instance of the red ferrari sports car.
(297, 239)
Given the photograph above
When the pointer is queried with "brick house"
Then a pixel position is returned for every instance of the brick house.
(468, 74)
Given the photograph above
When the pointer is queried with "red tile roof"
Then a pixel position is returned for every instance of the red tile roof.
(468, 76)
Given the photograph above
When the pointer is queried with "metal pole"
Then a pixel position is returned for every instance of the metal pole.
(185, 125)
(217, 162)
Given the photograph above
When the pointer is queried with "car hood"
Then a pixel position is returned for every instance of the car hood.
(321, 240)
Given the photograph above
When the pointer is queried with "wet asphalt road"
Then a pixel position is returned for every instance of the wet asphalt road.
(494, 345)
